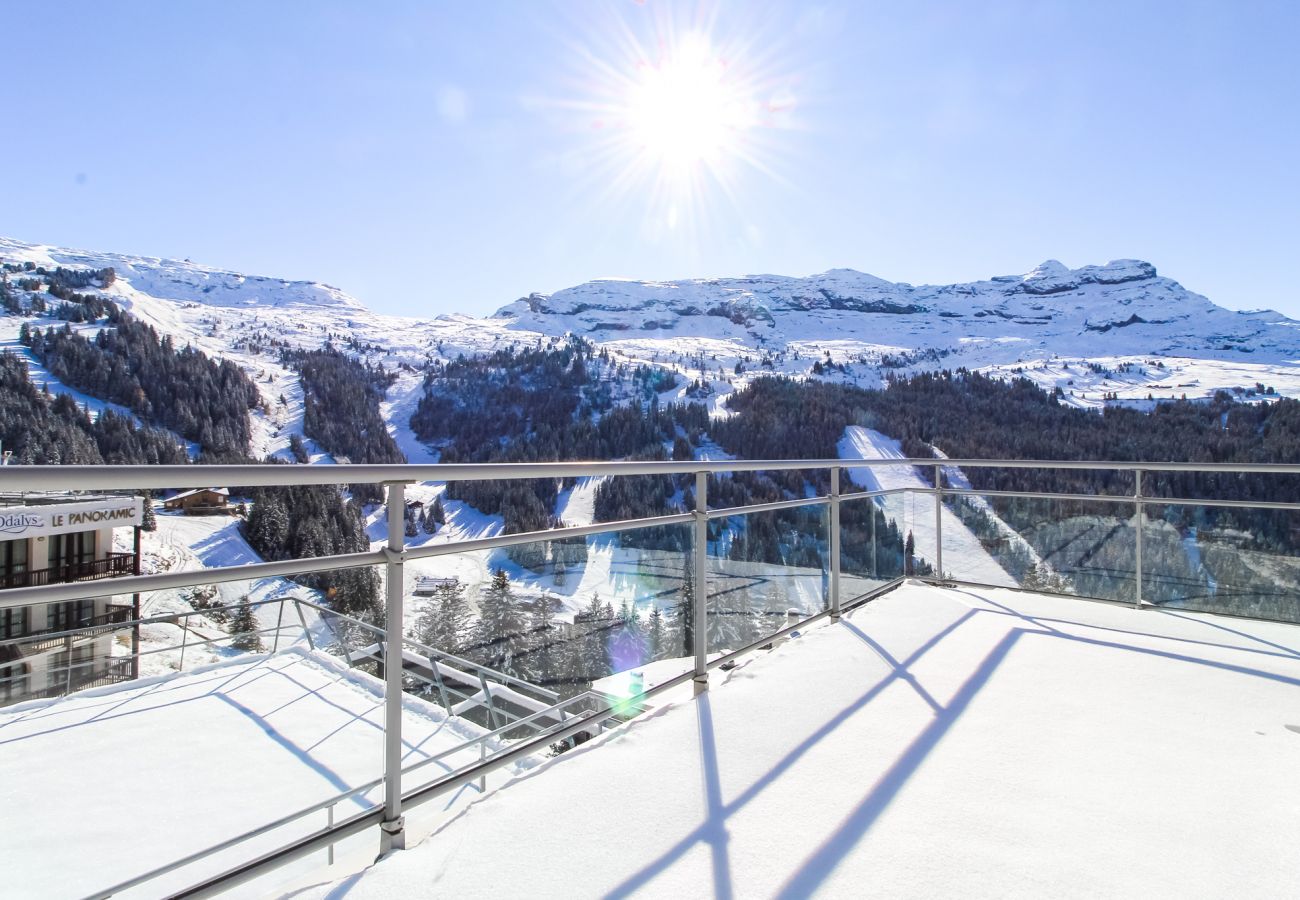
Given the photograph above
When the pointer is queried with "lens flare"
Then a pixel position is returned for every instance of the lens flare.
(688, 108)
(676, 122)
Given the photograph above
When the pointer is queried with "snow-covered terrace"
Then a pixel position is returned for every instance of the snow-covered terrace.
(935, 742)
(104, 786)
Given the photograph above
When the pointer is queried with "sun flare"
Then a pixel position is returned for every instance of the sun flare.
(678, 122)
(688, 108)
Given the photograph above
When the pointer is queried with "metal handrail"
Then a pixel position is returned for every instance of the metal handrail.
(172, 476)
(392, 641)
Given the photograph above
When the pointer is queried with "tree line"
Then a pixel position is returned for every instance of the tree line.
(129, 364)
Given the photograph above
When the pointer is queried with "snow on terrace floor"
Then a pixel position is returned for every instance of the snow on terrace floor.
(933, 743)
(104, 785)
(963, 555)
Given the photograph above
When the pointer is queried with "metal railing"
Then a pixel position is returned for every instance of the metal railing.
(556, 719)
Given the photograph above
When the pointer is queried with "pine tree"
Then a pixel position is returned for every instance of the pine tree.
(243, 627)
(444, 620)
(909, 555)
(657, 634)
(499, 635)
(149, 521)
(439, 515)
(683, 614)
(543, 664)
(627, 646)
(598, 619)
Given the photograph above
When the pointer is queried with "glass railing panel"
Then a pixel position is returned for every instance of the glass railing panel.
(766, 570)
(1084, 547)
(529, 625)
(1235, 560)
(872, 543)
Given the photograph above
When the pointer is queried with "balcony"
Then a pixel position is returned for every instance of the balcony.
(114, 619)
(112, 565)
(923, 687)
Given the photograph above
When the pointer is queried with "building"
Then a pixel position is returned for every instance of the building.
(200, 502)
(48, 649)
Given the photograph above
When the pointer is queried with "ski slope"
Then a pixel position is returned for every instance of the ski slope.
(963, 555)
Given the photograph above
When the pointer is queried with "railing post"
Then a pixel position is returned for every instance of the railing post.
(938, 521)
(392, 836)
(67, 649)
(329, 850)
(835, 543)
(311, 644)
(701, 611)
(875, 570)
(1139, 520)
(279, 623)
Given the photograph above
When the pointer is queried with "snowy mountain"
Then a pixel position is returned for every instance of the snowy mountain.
(1118, 332)
(1123, 308)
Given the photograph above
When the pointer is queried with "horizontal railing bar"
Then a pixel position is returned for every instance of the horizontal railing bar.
(75, 478)
(442, 654)
(140, 584)
(804, 623)
(246, 836)
(479, 667)
(868, 495)
(1128, 604)
(767, 507)
(162, 619)
(580, 722)
(428, 551)
(1029, 495)
(333, 613)
(962, 582)
(1230, 504)
(1117, 498)
(495, 733)
(242, 874)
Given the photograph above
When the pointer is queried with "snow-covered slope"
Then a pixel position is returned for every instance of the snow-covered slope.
(1123, 313)
(1098, 309)
(1145, 335)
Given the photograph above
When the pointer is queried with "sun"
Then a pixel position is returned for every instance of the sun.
(676, 125)
(688, 108)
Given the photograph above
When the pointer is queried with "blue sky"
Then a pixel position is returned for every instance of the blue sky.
(437, 157)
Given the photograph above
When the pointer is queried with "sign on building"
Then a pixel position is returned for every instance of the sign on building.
(64, 518)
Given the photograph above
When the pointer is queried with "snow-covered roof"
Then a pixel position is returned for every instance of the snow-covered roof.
(982, 743)
(225, 492)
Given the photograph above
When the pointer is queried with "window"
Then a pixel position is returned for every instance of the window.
(13, 622)
(71, 670)
(12, 681)
(70, 549)
(13, 556)
(66, 616)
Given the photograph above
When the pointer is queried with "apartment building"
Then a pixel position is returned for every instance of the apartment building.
(48, 649)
